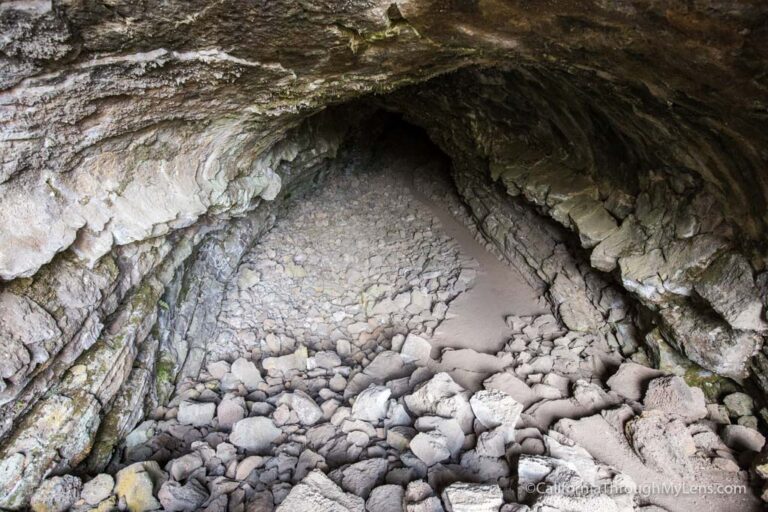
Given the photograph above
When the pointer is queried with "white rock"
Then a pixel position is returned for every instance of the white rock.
(196, 414)
(317, 493)
(494, 408)
(247, 373)
(279, 365)
(416, 349)
(254, 434)
(470, 497)
(306, 408)
(372, 404)
(396, 415)
(491, 444)
(430, 447)
(449, 427)
(218, 369)
(441, 396)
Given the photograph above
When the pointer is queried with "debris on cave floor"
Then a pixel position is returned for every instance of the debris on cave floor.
(324, 390)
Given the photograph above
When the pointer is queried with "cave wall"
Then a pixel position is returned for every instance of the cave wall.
(133, 133)
(662, 231)
(92, 379)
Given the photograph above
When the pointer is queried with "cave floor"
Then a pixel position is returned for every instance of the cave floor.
(369, 335)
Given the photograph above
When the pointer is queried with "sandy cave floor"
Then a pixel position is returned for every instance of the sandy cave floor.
(370, 348)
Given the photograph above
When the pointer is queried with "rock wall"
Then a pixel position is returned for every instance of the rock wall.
(88, 369)
(665, 235)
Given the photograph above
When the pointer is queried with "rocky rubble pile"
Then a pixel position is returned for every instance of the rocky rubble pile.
(282, 437)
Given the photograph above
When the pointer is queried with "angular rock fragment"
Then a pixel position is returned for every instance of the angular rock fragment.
(317, 493)
(672, 395)
(708, 341)
(430, 447)
(729, 285)
(247, 373)
(196, 414)
(372, 404)
(182, 498)
(441, 396)
(471, 497)
(387, 498)
(631, 380)
(360, 478)
(496, 409)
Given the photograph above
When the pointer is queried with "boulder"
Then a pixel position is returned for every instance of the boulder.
(739, 404)
(230, 410)
(97, 489)
(372, 404)
(728, 285)
(386, 498)
(254, 434)
(672, 395)
(743, 438)
(306, 408)
(182, 498)
(441, 396)
(360, 477)
(631, 380)
(494, 408)
(137, 485)
(317, 493)
(56, 494)
(283, 364)
(247, 373)
(196, 414)
(472, 497)
(416, 349)
(430, 447)
(181, 468)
